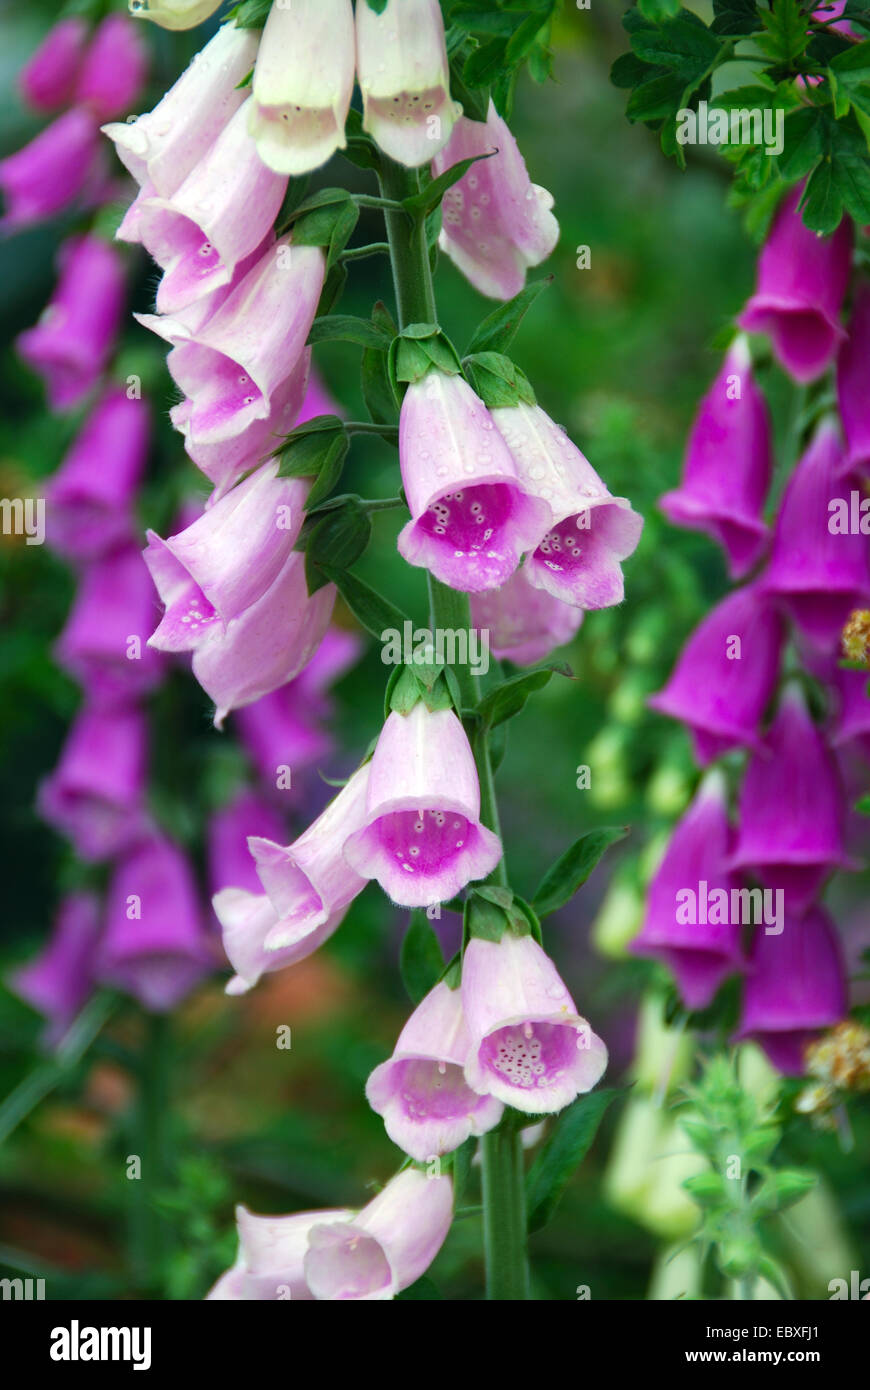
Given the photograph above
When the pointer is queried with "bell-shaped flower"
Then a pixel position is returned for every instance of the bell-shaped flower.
(404, 78)
(649, 1161)
(384, 1248)
(225, 561)
(303, 82)
(852, 393)
(726, 674)
(155, 946)
(271, 1252)
(176, 14)
(727, 469)
(104, 643)
(851, 717)
(529, 1046)
(578, 559)
(422, 838)
(114, 68)
(796, 986)
(51, 172)
(229, 828)
(90, 497)
(95, 794)
(792, 807)
(162, 147)
(247, 920)
(819, 566)
(421, 1092)
(495, 222)
(60, 979)
(802, 279)
(689, 923)
(48, 78)
(70, 344)
(523, 624)
(471, 520)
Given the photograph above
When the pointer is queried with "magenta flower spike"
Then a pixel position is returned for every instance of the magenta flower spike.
(688, 922)
(310, 881)
(802, 279)
(228, 857)
(422, 838)
(728, 465)
(48, 78)
(155, 946)
(90, 497)
(792, 807)
(726, 674)
(529, 1046)
(495, 221)
(851, 720)
(95, 794)
(247, 920)
(59, 980)
(162, 147)
(524, 623)
(421, 1092)
(385, 1247)
(51, 172)
(820, 575)
(70, 344)
(227, 559)
(404, 78)
(270, 1258)
(104, 642)
(796, 986)
(114, 68)
(852, 394)
(471, 520)
(578, 557)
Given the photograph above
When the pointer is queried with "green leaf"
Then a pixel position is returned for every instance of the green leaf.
(497, 380)
(347, 329)
(420, 960)
(685, 45)
(507, 699)
(484, 64)
(822, 204)
(319, 444)
(371, 610)
(572, 869)
(785, 36)
(803, 142)
(851, 170)
(656, 99)
(564, 1150)
(657, 10)
(377, 388)
(327, 220)
(336, 540)
(498, 330)
(474, 100)
(735, 17)
(430, 196)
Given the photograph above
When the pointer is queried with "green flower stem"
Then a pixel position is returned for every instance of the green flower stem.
(149, 1229)
(504, 1214)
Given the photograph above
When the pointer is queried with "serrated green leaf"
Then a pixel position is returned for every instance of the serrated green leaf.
(572, 869)
(562, 1153)
(785, 32)
(803, 143)
(732, 17)
(684, 45)
(822, 204)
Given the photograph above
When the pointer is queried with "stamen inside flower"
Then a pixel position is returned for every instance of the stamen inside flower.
(530, 1055)
(433, 1090)
(423, 841)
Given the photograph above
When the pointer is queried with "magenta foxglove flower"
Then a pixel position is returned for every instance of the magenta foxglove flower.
(52, 171)
(303, 82)
(728, 465)
(802, 279)
(70, 344)
(422, 838)
(48, 77)
(162, 147)
(247, 920)
(104, 642)
(578, 559)
(405, 79)
(227, 559)
(726, 674)
(114, 68)
(819, 574)
(796, 986)
(524, 623)
(95, 794)
(271, 1252)
(792, 807)
(529, 1046)
(852, 384)
(385, 1247)
(58, 982)
(228, 857)
(427, 1105)
(90, 496)
(495, 222)
(155, 946)
(852, 715)
(688, 922)
(471, 520)
(310, 881)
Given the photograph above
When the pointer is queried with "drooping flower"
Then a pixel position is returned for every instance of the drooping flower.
(495, 222)
(421, 1092)
(726, 674)
(50, 172)
(852, 394)
(175, 14)
(47, 79)
(524, 623)
(104, 641)
(422, 838)
(60, 979)
(113, 70)
(728, 465)
(303, 82)
(271, 1252)
(404, 78)
(71, 343)
(529, 1046)
(802, 279)
(229, 860)
(95, 794)
(385, 1247)
(578, 559)
(247, 920)
(470, 518)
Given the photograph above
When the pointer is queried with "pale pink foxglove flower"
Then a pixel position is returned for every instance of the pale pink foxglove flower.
(303, 82)
(271, 1252)
(422, 837)
(247, 920)
(405, 79)
(113, 70)
(48, 77)
(523, 623)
